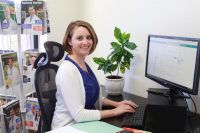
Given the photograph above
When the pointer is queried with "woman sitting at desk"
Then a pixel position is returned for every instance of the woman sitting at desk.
(78, 94)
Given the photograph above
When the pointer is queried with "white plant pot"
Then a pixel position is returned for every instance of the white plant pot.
(114, 86)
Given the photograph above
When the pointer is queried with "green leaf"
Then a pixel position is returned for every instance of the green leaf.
(118, 34)
(130, 45)
(122, 69)
(116, 53)
(126, 60)
(117, 57)
(114, 58)
(125, 38)
(118, 49)
(100, 67)
(99, 61)
(114, 67)
(114, 44)
(127, 65)
(128, 54)
(107, 68)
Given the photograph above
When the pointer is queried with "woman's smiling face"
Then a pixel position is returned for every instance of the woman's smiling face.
(81, 41)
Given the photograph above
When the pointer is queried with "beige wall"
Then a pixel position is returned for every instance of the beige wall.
(61, 12)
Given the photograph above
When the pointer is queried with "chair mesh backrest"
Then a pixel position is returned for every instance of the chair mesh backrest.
(45, 81)
(46, 90)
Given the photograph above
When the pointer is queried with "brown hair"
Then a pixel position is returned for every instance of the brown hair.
(69, 34)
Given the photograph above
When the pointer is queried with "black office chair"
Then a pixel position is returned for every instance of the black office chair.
(45, 82)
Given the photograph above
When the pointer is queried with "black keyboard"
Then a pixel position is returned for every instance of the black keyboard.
(135, 119)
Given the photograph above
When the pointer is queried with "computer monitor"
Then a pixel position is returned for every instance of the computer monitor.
(174, 62)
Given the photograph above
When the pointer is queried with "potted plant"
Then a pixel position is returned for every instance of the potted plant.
(117, 61)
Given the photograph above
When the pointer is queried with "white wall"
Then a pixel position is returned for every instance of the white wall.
(139, 17)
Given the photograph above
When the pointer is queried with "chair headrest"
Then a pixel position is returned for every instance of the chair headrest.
(41, 60)
(54, 52)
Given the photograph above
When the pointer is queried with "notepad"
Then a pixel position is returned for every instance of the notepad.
(96, 127)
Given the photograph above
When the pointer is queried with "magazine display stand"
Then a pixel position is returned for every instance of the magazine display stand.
(16, 66)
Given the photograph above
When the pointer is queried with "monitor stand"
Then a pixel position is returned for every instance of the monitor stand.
(162, 115)
(171, 94)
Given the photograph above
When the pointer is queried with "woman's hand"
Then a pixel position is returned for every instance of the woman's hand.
(123, 108)
(127, 102)
(120, 108)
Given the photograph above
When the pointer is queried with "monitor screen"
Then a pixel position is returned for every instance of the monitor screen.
(174, 62)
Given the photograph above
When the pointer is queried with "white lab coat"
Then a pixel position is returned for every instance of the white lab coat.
(13, 75)
(14, 124)
(9, 26)
(32, 25)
